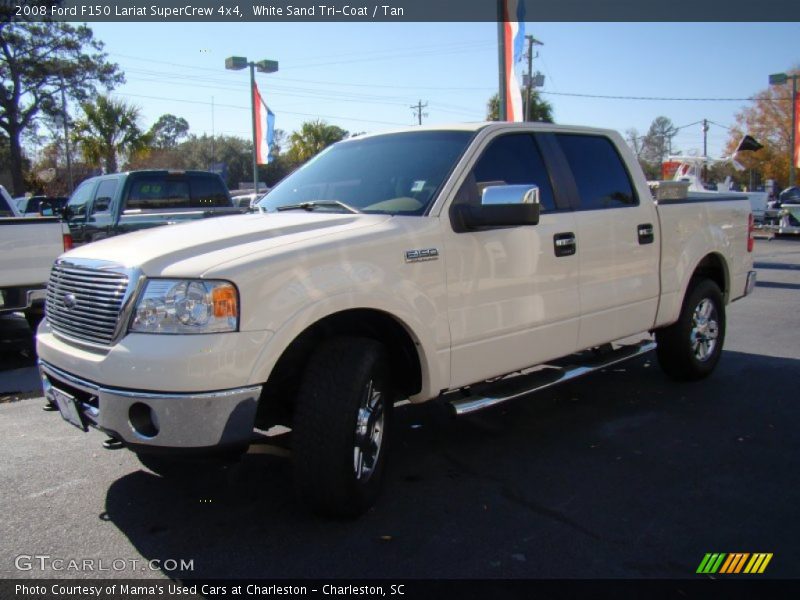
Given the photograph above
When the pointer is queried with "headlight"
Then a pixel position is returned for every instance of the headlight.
(186, 306)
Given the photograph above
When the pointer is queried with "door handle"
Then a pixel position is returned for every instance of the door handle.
(646, 233)
(564, 244)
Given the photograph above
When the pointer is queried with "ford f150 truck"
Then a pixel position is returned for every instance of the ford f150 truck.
(28, 247)
(449, 263)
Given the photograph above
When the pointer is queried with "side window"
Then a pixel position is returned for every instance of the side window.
(158, 192)
(208, 192)
(104, 195)
(5, 207)
(80, 198)
(599, 172)
(512, 160)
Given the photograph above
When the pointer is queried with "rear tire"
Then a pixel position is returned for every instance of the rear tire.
(689, 349)
(341, 419)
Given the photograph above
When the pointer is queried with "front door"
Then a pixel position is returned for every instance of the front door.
(513, 291)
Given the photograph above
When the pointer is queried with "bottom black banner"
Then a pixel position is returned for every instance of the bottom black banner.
(158, 589)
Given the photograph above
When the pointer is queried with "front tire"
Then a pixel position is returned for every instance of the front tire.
(341, 419)
(689, 349)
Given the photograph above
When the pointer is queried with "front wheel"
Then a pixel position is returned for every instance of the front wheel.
(340, 428)
(689, 349)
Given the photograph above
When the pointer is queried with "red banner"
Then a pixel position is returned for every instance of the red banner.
(797, 131)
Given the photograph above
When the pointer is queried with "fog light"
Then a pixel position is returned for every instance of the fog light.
(143, 420)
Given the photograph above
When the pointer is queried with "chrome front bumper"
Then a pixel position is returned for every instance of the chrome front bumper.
(163, 420)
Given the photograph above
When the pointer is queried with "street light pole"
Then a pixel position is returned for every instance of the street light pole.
(237, 63)
(781, 79)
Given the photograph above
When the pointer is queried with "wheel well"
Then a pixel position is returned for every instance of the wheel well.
(712, 267)
(281, 388)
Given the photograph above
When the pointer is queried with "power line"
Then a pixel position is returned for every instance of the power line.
(288, 112)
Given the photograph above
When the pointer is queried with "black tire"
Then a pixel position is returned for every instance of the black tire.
(689, 349)
(345, 390)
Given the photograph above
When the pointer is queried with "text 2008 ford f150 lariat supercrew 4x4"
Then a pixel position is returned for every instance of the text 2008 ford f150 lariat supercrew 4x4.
(435, 263)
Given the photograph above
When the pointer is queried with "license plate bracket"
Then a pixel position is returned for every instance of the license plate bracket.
(68, 407)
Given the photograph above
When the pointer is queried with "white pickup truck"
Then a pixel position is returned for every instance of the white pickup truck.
(28, 247)
(448, 263)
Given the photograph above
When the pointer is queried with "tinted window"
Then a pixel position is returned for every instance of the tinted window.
(396, 173)
(599, 171)
(208, 191)
(80, 197)
(5, 207)
(510, 160)
(159, 192)
(104, 195)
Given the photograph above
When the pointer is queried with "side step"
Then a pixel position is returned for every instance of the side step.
(486, 395)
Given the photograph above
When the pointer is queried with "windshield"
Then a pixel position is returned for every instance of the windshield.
(391, 174)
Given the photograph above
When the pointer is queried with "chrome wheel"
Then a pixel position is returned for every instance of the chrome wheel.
(369, 432)
(705, 330)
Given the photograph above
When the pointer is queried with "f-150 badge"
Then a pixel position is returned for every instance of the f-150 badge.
(422, 254)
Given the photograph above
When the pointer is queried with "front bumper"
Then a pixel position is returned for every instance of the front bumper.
(158, 420)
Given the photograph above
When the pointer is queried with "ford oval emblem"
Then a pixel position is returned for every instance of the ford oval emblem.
(70, 301)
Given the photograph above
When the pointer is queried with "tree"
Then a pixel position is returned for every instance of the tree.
(657, 142)
(539, 110)
(636, 143)
(168, 131)
(108, 131)
(313, 138)
(769, 121)
(36, 60)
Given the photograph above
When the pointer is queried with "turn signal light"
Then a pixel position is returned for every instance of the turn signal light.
(225, 301)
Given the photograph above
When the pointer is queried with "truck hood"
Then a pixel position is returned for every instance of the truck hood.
(190, 249)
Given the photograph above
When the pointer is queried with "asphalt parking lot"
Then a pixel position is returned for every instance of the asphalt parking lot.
(621, 474)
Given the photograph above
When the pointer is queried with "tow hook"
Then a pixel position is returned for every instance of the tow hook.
(113, 443)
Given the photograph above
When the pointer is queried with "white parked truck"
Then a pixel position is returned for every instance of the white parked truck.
(442, 263)
(28, 247)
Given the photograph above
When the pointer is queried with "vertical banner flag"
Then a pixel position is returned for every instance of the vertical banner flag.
(265, 128)
(797, 131)
(514, 34)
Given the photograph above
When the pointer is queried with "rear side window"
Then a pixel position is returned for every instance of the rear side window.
(599, 172)
(208, 192)
(158, 193)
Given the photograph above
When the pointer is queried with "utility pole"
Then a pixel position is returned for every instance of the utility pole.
(417, 108)
(531, 42)
(705, 137)
(66, 136)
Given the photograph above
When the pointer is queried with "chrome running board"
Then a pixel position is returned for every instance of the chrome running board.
(486, 395)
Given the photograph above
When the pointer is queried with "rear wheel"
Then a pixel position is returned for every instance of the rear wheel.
(340, 428)
(690, 348)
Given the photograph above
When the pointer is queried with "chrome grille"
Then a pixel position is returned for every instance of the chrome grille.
(84, 302)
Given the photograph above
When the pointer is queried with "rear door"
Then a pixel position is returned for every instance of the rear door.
(616, 241)
(512, 293)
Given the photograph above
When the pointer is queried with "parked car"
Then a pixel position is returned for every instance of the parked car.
(444, 264)
(108, 205)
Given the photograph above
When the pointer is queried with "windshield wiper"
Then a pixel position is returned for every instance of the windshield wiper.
(311, 206)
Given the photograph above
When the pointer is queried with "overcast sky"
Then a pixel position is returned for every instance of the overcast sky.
(365, 77)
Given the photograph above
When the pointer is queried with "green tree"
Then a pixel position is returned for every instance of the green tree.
(657, 142)
(539, 109)
(36, 61)
(109, 131)
(313, 138)
(168, 131)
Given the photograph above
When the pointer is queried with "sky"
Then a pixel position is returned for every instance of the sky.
(364, 77)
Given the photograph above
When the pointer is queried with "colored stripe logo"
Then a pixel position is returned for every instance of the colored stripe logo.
(734, 563)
